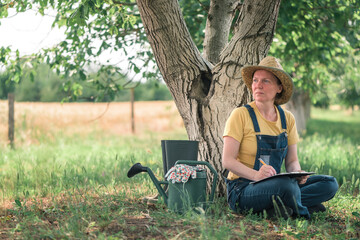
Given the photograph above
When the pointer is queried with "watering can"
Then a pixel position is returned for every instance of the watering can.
(182, 196)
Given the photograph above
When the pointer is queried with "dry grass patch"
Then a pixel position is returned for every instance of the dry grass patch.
(34, 120)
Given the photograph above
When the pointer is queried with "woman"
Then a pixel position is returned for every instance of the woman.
(257, 138)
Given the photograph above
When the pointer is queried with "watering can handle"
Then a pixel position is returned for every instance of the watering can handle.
(191, 162)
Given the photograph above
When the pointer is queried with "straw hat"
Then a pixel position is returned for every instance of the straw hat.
(272, 65)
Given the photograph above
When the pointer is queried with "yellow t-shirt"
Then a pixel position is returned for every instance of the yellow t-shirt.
(240, 127)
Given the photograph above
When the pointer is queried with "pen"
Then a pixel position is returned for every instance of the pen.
(262, 161)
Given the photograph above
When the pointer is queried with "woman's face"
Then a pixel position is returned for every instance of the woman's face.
(265, 86)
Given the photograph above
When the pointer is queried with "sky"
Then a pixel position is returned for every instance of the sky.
(29, 32)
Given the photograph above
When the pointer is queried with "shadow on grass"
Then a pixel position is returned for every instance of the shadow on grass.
(328, 129)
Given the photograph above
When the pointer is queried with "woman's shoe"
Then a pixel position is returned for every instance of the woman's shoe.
(317, 208)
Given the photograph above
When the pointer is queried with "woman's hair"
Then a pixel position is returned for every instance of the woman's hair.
(278, 80)
(278, 95)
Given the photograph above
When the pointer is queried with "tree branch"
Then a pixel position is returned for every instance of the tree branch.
(237, 6)
(328, 7)
(204, 7)
(217, 30)
(124, 3)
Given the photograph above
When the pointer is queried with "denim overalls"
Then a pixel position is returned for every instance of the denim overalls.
(271, 149)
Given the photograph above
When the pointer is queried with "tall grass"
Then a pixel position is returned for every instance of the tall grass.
(332, 145)
(75, 163)
(75, 187)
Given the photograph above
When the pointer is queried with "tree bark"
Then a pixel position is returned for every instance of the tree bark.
(299, 105)
(218, 23)
(205, 96)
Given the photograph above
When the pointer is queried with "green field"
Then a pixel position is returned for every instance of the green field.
(75, 187)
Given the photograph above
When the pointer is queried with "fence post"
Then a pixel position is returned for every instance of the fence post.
(11, 121)
(132, 99)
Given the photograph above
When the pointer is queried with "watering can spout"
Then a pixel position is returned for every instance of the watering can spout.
(138, 168)
(135, 169)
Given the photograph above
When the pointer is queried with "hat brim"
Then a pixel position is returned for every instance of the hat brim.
(247, 73)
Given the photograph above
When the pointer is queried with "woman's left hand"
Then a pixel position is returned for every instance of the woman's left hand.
(303, 179)
(292, 163)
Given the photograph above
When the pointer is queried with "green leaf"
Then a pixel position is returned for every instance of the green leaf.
(18, 203)
(136, 69)
(82, 75)
(356, 214)
(32, 77)
(62, 22)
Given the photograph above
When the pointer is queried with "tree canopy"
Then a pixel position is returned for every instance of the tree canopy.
(312, 39)
(92, 28)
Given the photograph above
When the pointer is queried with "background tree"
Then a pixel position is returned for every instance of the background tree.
(312, 39)
(349, 82)
(45, 86)
(6, 86)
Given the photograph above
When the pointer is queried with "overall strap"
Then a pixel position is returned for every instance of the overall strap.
(282, 117)
(255, 122)
(253, 117)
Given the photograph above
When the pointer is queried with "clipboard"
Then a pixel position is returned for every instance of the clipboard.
(287, 174)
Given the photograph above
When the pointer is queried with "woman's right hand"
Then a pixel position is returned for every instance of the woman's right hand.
(230, 162)
(264, 172)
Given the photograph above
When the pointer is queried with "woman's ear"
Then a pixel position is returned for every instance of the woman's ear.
(280, 88)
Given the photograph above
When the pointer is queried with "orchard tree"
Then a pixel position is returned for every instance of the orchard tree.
(349, 83)
(314, 39)
(199, 47)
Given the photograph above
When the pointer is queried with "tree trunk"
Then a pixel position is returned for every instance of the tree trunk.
(299, 105)
(205, 96)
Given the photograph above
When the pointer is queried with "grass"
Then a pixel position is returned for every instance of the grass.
(75, 187)
(332, 145)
